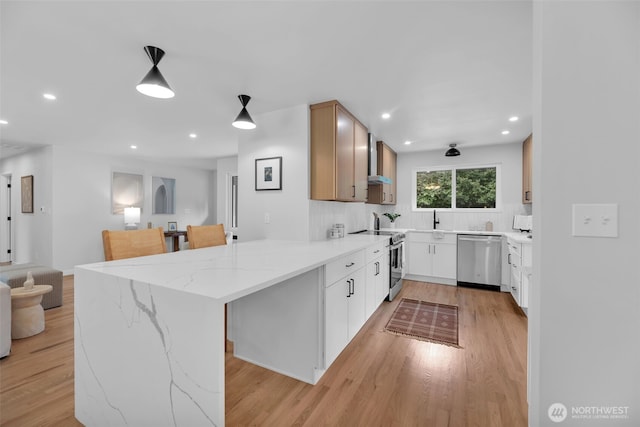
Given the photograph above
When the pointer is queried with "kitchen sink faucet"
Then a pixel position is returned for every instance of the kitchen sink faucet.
(435, 221)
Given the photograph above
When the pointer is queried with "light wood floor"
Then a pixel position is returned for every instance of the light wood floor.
(379, 380)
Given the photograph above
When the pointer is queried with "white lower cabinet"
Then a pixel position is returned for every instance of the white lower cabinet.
(377, 258)
(345, 300)
(432, 255)
(520, 260)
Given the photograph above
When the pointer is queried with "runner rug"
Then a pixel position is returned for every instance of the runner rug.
(425, 321)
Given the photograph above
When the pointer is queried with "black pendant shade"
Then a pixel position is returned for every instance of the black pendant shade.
(452, 151)
(154, 84)
(244, 120)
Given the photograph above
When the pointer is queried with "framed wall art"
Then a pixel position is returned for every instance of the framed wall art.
(26, 192)
(127, 190)
(163, 194)
(172, 226)
(269, 174)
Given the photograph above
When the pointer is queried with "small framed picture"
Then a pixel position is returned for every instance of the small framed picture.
(172, 226)
(26, 189)
(269, 174)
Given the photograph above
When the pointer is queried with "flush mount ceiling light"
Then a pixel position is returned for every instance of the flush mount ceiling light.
(244, 120)
(514, 118)
(154, 84)
(386, 115)
(505, 132)
(49, 96)
(452, 151)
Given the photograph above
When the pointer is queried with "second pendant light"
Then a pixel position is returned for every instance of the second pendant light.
(244, 120)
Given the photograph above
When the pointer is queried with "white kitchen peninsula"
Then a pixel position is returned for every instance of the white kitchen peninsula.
(149, 331)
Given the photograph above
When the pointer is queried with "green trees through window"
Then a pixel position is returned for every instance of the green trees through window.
(474, 188)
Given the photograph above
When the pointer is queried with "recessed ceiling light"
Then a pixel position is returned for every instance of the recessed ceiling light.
(133, 147)
(407, 143)
(505, 132)
(514, 118)
(4, 122)
(386, 115)
(193, 135)
(49, 96)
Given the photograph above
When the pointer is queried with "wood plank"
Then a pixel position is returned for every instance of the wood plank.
(379, 379)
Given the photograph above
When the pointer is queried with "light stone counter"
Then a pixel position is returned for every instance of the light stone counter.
(149, 331)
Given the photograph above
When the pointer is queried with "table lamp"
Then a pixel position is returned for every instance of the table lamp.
(131, 218)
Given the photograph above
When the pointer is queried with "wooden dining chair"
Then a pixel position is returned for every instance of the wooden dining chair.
(204, 236)
(121, 244)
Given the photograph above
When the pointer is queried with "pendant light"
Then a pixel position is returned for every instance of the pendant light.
(452, 151)
(154, 84)
(244, 120)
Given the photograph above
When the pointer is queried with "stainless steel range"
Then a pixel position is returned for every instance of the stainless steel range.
(396, 258)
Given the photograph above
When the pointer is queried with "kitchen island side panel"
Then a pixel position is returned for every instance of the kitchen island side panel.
(281, 327)
(146, 355)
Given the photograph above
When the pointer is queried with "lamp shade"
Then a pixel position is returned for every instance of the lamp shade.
(131, 216)
(154, 83)
(452, 151)
(244, 120)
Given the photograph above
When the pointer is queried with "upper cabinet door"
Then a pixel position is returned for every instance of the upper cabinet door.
(360, 160)
(345, 155)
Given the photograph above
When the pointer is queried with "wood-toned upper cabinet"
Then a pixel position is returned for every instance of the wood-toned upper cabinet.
(527, 170)
(338, 154)
(385, 194)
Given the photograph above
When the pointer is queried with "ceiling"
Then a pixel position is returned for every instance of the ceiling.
(447, 72)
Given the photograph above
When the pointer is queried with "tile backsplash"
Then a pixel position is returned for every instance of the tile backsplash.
(359, 216)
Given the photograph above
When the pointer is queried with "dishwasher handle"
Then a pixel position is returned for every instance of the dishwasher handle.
(486, 239)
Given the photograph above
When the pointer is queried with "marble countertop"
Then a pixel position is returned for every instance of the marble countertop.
(230, 272)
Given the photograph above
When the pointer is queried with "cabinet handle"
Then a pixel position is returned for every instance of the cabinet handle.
(434, 249)
(391, 197)
(350, 265)
(429, 246)
(384, 196)
(352, 286)
(377, 264)
(376, 251)
(509, 259)
(526, 195)
(354, 191)
(349, 288)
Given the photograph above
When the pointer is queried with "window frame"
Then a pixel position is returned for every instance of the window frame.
(454, 169)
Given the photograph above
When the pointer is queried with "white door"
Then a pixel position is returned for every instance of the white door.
(444, 260)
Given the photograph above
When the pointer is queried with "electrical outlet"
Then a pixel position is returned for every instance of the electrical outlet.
(595, 220)
(267, 218)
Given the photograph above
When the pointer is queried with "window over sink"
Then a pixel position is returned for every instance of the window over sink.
(456, 188)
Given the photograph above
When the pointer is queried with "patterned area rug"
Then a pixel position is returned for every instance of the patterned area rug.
(425, 321)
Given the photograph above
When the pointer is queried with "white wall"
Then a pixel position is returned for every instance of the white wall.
(32, 240)
(584, 323)
(280, 133)
(508, 156)
(72, 199)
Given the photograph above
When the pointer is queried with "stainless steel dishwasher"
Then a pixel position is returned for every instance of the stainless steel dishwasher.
(479, 261)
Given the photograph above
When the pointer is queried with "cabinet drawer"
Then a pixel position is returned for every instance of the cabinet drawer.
(374, 252)
(343, 266)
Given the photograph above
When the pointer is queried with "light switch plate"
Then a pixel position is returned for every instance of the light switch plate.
(595, 220)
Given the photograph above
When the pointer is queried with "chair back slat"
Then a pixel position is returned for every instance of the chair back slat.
(121, 244)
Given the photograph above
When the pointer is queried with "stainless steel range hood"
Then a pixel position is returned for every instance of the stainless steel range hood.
(373, 177)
